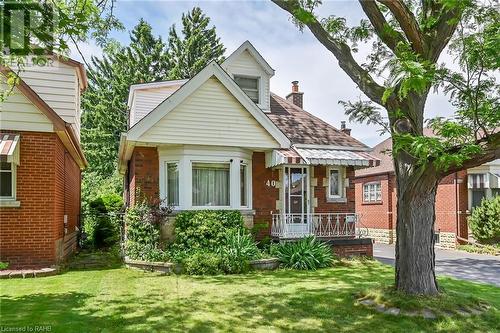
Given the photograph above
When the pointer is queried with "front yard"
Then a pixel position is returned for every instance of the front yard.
(123, 300)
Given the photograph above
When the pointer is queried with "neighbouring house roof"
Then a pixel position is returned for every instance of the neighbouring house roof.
(63, 129)
(9, 148)
(305, 129)
(382, 151)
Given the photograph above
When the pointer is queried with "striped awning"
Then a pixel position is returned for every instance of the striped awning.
(9, 148)
(321, 157)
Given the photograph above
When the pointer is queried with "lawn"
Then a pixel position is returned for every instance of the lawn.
(123, 300)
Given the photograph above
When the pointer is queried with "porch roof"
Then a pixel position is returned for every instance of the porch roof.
(9, 148)
(318, 156)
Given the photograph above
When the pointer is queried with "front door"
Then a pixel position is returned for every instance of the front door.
(296, 201)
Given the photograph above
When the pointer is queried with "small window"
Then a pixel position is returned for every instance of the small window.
(437, 240)
(7, 180)
(372, 192)
(210, 184)
(173, 184)
(243, 185)
(250, 86)
(335, 183)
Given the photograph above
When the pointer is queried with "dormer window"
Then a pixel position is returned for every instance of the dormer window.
(250, 85)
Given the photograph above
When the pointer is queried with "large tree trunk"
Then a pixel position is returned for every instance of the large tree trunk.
(415, 231)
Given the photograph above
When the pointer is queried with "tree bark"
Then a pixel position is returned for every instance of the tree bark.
(415, 258)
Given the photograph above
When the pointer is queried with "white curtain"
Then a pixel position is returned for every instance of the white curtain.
(173, 184)
(210, 184)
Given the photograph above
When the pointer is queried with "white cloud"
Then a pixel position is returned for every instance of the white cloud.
(293, 54)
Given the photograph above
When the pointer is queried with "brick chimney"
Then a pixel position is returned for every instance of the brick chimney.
(344, 129)
(295, 96)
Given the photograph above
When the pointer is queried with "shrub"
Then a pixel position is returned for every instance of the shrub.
(306, 253)
(4, 265)
(236, 252)
(485, 221)
(203, 263)
(143, 232)
(102, 224)
(204, 229)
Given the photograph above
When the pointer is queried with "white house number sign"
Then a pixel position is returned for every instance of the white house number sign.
(271, 183)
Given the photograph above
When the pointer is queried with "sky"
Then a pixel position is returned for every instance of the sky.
(294, 55)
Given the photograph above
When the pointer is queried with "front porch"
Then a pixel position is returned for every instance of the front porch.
(321, 225)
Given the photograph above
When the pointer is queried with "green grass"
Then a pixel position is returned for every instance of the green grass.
(122, 300)
(493, 249)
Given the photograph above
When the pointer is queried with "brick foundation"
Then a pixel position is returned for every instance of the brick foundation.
(352, 247)
(48, 187)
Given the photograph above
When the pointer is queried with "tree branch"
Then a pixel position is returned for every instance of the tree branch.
(491, 151)
(340, 50)
(408, 24)
(379, 23)
(445, 27)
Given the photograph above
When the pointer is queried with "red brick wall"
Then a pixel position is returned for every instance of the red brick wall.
(143, 174)
(320, 193)
(263, 196)
(343, 251)
(28, 233)
(376, 215)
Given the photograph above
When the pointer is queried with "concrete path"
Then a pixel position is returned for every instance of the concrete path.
(458, 264)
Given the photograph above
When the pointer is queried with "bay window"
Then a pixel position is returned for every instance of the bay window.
(210, 184)
(372, 192)
(173, 183)
(243, 185)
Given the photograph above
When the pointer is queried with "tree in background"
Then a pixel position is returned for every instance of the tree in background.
(197, 48)
(407, 39)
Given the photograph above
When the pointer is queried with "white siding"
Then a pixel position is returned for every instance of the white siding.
(210, 116)
(145, 100)
(245, 64)
(57, 85)
(18, 113)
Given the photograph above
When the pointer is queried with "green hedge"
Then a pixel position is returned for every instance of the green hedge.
(204, 229)
(485, 221)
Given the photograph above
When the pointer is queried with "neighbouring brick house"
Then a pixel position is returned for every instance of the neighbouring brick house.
(41, 162)
(376, 198)
(222, 140)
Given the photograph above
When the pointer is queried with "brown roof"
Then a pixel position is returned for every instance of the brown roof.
(382, 151)
(301, 127)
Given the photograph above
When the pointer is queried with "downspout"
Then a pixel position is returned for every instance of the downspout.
(457, 222)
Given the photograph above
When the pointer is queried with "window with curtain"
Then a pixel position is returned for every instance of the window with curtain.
(173, 184)
(243, 185)
(250, 85)
(210, 184)
(335, 182)
(372, 192)
(7, 180)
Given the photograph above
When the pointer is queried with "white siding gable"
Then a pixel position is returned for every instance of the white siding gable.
(18, 113)
(57, 84)
(146, 99)
(245, 64)
(210, 116)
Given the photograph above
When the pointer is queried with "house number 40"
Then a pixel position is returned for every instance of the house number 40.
(271, 183)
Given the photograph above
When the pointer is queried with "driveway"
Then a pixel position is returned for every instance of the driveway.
(458, 264)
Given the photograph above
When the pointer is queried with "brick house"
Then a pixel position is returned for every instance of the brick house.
(376, 200)
(41, 162)
(222, 140)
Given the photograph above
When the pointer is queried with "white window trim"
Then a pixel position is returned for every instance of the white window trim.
(368, 184)
(166, 180)
(11, 200)
(342, 182)
(185, 157)
(259, 86)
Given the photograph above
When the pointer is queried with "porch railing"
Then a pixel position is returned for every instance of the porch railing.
(317, 224)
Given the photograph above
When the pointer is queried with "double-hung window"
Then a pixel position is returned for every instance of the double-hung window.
(335, 183)
(250, 85)
(173, 183)
(243, 186)
(372, 192)
(7, 181)
(211, 184)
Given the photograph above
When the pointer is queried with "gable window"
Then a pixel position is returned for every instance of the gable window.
(210, 185)
(7, 181)
(250, 85)
(335, 183)
(372, 192)
(173, 183)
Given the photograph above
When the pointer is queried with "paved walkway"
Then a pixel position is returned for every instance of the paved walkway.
(458, 264)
